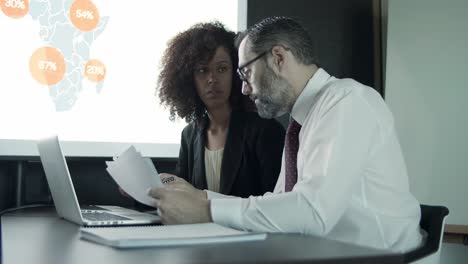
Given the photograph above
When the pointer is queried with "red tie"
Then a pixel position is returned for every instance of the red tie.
(291, 147)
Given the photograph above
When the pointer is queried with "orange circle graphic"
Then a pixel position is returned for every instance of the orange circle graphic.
(84, 15)
(47, 65)
(95, 70)
(15, 8)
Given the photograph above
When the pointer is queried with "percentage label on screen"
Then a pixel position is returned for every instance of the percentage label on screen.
(95, 70)
(47, 65)
(84, 14)
(14, 8)
(15, 4)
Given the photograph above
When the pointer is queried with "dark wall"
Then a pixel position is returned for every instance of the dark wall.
(6, 186)
(342, 31)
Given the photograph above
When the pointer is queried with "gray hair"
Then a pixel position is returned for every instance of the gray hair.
(282, 31)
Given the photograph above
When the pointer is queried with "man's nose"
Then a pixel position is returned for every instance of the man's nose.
(246, 89)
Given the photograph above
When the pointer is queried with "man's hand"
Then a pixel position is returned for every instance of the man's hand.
(179, 206)
(175, 182)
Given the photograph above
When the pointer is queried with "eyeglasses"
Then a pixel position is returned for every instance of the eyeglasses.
(241, 71)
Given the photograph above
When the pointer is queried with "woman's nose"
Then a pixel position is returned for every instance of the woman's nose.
(212, 77)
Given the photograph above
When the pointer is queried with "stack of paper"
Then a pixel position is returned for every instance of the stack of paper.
(134, 174)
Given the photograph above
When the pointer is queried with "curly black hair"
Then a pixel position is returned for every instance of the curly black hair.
(176, 85)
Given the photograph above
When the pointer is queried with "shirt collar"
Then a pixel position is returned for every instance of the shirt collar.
(305, 99)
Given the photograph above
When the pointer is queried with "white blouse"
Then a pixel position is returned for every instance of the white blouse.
(213, 159)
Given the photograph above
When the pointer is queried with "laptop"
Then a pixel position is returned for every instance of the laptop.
(66, 202)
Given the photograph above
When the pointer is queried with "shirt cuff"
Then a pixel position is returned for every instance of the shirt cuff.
(227, 212)
(214, 195)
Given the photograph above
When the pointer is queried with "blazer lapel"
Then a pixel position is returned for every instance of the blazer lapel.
(232, 155)
(198, 173)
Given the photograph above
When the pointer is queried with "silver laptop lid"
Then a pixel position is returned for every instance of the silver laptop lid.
(59, 180)
(63, 191)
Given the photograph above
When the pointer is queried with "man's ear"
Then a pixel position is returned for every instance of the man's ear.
(279, 56)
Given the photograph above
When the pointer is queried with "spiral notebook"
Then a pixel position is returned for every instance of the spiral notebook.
(172, 235)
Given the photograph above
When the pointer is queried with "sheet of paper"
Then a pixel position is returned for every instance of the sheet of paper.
(134, 174)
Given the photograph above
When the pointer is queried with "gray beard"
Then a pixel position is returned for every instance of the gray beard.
(274, 97)
(268, 109)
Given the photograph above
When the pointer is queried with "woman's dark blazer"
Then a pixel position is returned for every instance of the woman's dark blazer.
(252, 155)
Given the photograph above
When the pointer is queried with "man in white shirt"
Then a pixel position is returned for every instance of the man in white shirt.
(343, 176)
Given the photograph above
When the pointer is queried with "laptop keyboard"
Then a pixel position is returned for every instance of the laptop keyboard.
(102, 216)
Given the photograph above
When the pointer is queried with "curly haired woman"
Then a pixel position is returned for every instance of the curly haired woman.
(225, 148)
